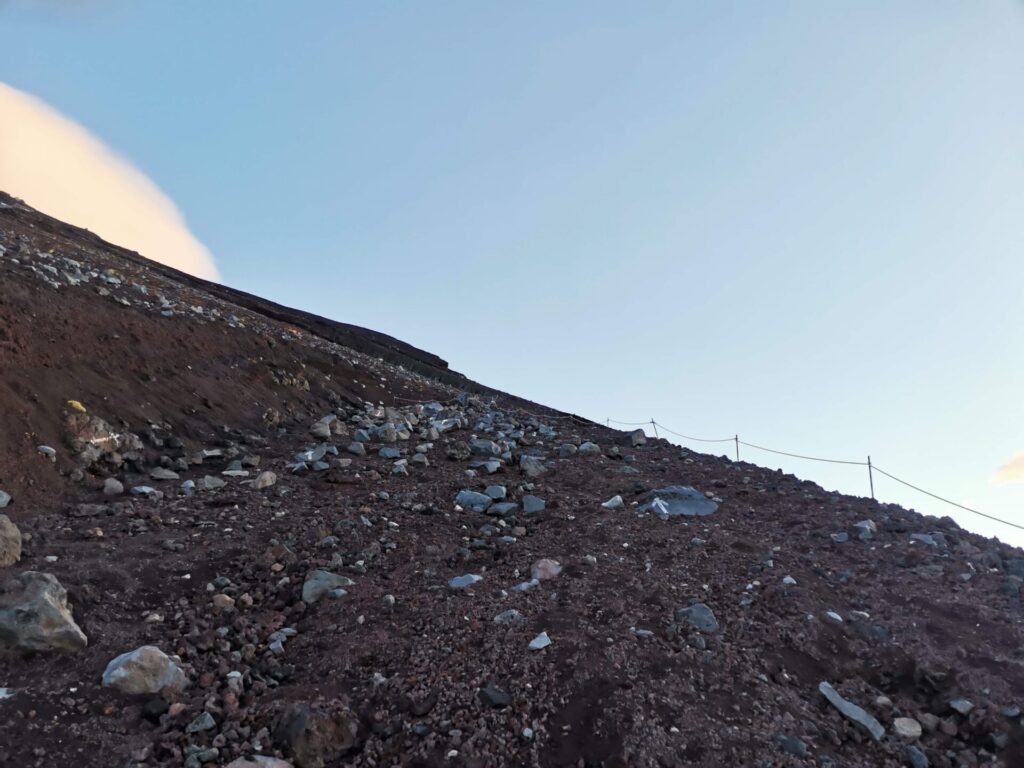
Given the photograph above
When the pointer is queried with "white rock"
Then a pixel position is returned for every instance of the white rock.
(539, 642)
(264, 479)
(907, 728)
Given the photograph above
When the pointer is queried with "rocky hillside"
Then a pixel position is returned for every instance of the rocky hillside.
(238, 534)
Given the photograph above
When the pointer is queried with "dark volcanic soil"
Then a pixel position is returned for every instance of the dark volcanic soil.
(392, 672)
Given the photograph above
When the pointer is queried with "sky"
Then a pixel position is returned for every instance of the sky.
(796, 222)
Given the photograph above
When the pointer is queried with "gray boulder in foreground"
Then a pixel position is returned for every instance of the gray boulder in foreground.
(35, 617)
(147, 669)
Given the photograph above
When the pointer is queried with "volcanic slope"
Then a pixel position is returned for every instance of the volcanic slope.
(336, 551)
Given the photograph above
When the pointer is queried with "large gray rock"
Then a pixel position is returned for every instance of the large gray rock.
(473, 500)
(852, 712)
(698, 616)
(10, 542)
(589, 449)
(209, 483)
(464, 581)
(532, 466)
(482, 447)
(5, 499)
(532, 504)
(319, 583)
(322, 428)
(866, 529)
(147, 669)
(35, 617)
(503, 509)
(678, 501)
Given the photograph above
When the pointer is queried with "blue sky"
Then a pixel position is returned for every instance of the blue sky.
(796, 221)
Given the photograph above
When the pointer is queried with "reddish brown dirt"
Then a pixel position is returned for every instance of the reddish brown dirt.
(600, 695)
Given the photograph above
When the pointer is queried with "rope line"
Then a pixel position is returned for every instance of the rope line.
(871, 466)
(955, 504)
(800, 456)
(698, 439)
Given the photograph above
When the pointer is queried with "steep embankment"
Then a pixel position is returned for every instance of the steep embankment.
(339, 552)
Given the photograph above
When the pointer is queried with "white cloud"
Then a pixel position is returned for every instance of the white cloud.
(58, 167)
(1011, 472)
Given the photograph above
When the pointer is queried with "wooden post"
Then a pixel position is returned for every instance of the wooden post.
(737, 439)
(654, 427)
(871, 479)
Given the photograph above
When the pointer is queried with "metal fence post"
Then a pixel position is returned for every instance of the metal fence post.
(654, 427)
(871, 479)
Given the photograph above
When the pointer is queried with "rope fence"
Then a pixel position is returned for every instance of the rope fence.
(872, 468)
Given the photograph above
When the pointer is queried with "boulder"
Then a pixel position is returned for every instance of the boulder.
(532, 466)
(494, 697)
(540, 642)
(496, 492)
(10, 542)
(482, 447)
(466, 580)
(264, 479)
(147, 669)
(678, 501)
(321, 583)
(698, 616)
(317, 735)
(532, 504)
(473, 500)
(35, 617)
(321, 429)
(866, 529)
(544, 569)
(210, 483)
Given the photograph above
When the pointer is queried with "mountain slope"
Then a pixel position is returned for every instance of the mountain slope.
(296, 511)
